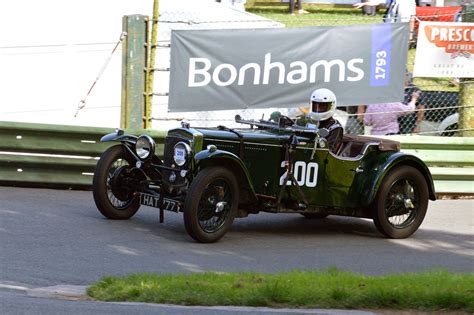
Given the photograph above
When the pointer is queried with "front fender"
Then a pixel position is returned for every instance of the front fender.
(118, 136)
(372, 184)
(207, 158)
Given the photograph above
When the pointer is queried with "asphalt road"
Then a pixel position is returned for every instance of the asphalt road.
(54, 237)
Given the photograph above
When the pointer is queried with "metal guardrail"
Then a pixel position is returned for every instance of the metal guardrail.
(39, 155)
(450, 160)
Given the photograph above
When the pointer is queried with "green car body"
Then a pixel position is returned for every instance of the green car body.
(332, 184)
(214, 175)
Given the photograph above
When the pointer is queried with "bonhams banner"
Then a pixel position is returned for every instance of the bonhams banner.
(258, 68)
(445, 50)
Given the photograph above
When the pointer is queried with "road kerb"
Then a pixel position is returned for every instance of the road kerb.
(66, 292)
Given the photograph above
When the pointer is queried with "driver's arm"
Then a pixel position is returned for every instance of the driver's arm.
(335, 139)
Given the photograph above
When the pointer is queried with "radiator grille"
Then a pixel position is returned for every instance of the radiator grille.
(170, 142)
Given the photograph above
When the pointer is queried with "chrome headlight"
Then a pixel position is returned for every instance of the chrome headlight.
(145, 147)
(181, 153)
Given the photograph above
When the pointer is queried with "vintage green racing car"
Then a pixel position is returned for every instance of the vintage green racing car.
(213, 175)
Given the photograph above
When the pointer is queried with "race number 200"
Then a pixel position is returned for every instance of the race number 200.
(306, 174)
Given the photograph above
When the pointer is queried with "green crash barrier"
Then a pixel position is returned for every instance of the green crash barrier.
(450, 160)
(444, 157)
(39, 155)
(59, 156)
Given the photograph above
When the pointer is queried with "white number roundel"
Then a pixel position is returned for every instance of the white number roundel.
(306, 174)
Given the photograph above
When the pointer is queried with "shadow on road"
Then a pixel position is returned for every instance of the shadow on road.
(51, 237)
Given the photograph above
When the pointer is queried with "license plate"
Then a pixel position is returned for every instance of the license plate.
(154, 201)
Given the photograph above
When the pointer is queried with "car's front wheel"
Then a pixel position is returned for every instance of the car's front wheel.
(112, 185)
(401, 202)
(211, 204)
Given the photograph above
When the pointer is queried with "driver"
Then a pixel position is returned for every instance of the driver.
(322, 107)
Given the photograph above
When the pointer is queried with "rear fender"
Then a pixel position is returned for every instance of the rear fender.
(229, 160)
(372, 185)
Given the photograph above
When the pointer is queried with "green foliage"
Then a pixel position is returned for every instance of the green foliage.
(316, 16)
(428, 291)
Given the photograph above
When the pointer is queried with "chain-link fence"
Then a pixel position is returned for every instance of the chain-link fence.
(437, 110)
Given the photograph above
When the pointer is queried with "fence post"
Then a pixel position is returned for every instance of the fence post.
(466, 90)
(150, 72)
(133, 71)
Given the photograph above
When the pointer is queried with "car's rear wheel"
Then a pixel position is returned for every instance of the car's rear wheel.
(401, 202)
(211, 204)
(113, 190)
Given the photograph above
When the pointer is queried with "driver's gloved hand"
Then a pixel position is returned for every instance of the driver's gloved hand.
(275, 116)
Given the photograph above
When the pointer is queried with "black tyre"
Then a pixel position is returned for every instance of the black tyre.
(401, 202)
(211, 204)
(314, 216)
(450, 131)
(113, 191)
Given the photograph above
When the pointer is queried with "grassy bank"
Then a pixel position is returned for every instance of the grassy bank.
(315, 16)
(428, 291)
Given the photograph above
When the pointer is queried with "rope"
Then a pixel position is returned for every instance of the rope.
(412, 111)
(82, 103)
(190, 119)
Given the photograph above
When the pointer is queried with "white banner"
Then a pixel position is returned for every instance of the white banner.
(445, 49)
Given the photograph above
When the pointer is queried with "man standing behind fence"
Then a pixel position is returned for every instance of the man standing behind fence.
(411, 123)
(369, 9)
(397, 10)
(383, 118)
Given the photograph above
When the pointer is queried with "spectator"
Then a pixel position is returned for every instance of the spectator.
(411, 122)
(298, 5)
(383, 118)
(397, 10)
(369, 9)
(236, 4)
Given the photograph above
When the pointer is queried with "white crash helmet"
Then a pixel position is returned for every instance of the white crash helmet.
(322, 104)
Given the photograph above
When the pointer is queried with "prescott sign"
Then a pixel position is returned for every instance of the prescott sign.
(259, 68)
(445, 50)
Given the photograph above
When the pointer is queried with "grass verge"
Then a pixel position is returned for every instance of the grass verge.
(427, 291)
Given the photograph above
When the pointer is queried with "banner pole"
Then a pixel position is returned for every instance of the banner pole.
(466, 89)
(151, 64)
(133, 77)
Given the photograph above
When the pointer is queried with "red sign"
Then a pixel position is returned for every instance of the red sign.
(452, 38)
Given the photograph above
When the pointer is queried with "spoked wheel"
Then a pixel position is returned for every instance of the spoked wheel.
(113, 184)
(211, 204)
(401, 203)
